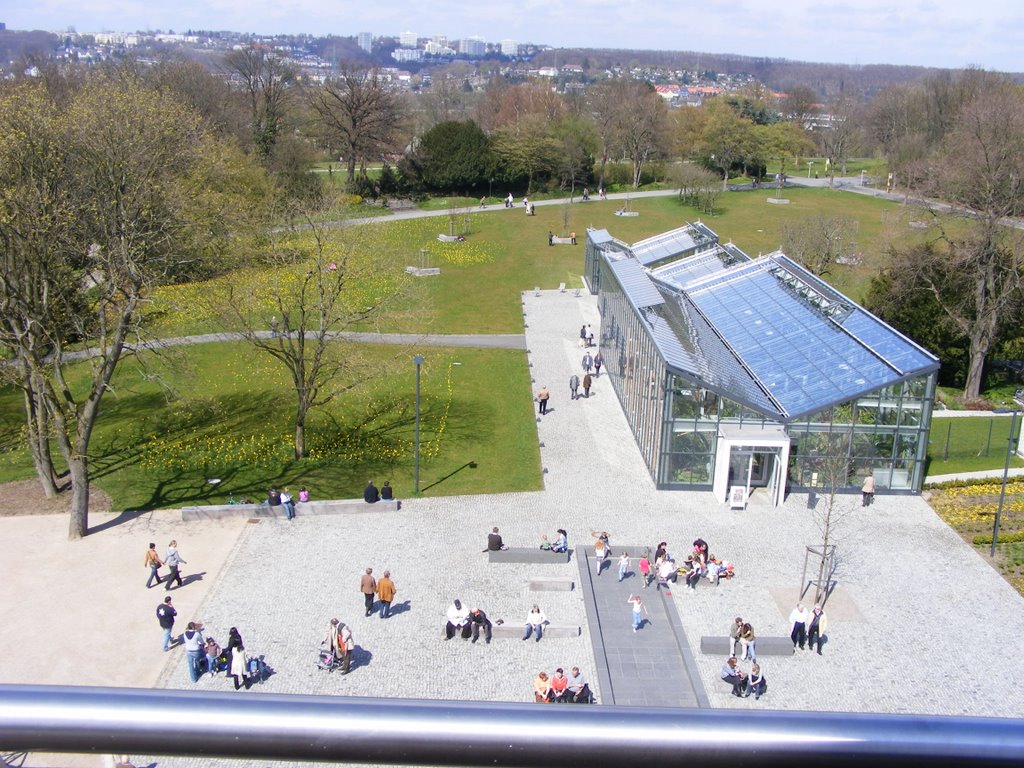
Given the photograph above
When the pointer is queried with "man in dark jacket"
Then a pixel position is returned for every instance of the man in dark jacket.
(494, 542)
(479, 621)
(371, 495)
(165, 614)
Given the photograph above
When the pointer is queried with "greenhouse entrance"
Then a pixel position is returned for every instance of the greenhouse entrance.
(750, 460)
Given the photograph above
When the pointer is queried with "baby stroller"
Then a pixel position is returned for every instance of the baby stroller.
(326, 660)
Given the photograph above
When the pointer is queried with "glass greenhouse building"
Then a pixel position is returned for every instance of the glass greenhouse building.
(747, 373)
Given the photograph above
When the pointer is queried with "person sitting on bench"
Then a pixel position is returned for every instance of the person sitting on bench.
(494, 542)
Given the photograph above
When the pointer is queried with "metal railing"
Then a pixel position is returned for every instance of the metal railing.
(415, 732)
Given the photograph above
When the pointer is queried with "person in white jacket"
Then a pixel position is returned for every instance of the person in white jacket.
(535, 621)
(799, 618)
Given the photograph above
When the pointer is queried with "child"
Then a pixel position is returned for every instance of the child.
(645, 568)
(638, 608)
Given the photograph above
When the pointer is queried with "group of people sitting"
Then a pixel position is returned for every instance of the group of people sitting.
(467, 623)
(560, 544)
(744, 683)
(371, 495)
(562, 689)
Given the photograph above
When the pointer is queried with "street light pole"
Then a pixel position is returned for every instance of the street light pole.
(1002, 492)
(418, 359)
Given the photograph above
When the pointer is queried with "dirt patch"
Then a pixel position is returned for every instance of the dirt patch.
(26, 497)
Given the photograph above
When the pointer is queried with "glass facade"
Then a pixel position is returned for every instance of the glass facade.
(673, 377)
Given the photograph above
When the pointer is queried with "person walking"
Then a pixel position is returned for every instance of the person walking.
(644, 566)
(173, 561)
(798, 618)
(817, 627)
(542, 400)
(867, 491)
(368, 586)
(194, 642)
(598, 362)
(601, 550)
(623, 565)
(587, 381)
(386, 593)
(583, 335)
(587, 362)
(165, 614)
(288, 504)
(590, 336)
(153, 562)
(638, 611)
(574, 385)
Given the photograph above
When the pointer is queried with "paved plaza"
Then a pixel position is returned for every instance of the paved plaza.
(918, 623)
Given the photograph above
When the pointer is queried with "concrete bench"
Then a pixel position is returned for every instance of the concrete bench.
(450, 238)
(526, 555)
(307, 508)
(763, 646)
(551, 584)
(514, 631)
(562, 241)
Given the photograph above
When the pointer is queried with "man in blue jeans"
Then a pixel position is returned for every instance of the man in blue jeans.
(194, 641)
(165, 614)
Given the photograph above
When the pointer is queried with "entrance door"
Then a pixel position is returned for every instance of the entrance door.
(751, 467)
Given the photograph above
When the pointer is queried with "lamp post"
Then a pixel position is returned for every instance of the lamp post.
(418, 359)
(1002, 491)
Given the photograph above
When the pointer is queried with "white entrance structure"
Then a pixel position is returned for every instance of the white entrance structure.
(751, 457)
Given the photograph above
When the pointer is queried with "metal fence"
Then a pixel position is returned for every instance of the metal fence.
(415, 732)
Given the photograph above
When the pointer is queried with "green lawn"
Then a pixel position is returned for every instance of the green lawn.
(230, 418)
(970, 443)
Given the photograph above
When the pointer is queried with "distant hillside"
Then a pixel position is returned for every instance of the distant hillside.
(779, 74)
(32, 47)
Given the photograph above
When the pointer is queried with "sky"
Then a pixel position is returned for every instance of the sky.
(938, 33)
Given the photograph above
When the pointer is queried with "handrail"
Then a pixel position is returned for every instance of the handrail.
(411, 732)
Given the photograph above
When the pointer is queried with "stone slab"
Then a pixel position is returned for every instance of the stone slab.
(764, 646)
(526, 555)
(327, 507)
(551, 584)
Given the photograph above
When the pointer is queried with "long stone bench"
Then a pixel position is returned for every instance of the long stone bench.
(514, 631)
(551, 584)
(763, 646)
(526, 555)
(302, 509)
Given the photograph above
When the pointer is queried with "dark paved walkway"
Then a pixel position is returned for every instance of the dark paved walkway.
(651, 667)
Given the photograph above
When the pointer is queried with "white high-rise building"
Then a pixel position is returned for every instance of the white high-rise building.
(408, 40)
(472, 46)
(509, 48)
(365, 41)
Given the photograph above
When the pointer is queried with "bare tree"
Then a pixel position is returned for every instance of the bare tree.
(361, 115)
(838, 137)
(641, 125)
(267, 79)
(136, 174)
(819, 241)
(325, 283)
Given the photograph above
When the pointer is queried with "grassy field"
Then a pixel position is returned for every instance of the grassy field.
(220, 411)
(969, 444)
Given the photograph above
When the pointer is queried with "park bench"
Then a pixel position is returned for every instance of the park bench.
(526, 555)
(451, 238)
(551, 584)
(514, 630)
(562, 241)
(763, 646)
(307, 508)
